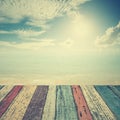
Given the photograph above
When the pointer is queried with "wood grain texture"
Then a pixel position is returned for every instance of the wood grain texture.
(1, 86)
(4, 91)
(117, 87)
(112, 101)
(5, 103)
(115, 90)
(60, 102)
(82, 107)
(49, 108)
(97, 106)
(65, 106)
(18, 107)
(36, 106)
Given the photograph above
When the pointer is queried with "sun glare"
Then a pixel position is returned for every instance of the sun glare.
(81, 31)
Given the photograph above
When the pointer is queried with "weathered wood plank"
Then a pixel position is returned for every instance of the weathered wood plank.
(5, 103)
(1, 86)
(49, 108)
(4, 91)
(110, 99)
(65, 106)
(115, 90)
(35, 108)
(118, 87)
(18, 107)
(97, 106)
(82, 107)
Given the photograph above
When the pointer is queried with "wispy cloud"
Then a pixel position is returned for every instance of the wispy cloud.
(29, 45)
(24, 34)
(38, 11)
(28, 34)
(67, 43)
(110, 38)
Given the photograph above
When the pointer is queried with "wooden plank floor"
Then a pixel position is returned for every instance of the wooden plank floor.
(59, 102)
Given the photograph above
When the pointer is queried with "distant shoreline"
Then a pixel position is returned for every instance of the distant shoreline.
(59, 82)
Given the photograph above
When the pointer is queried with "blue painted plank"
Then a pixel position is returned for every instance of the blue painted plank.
(115, 90)
(118, 87)
(110, 99)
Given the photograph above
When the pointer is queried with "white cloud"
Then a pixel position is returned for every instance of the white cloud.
(24, 34)
(5, 32)
(28, 33)
(110, 38)
(29, 45)
(38, 11)
(67, 43)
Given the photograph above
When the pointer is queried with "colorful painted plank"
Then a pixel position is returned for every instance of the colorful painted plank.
(97, 106)
(36, 106)
(5, 103)
(110, 99)
(82, 107)
(18, 107)
(4, 91)
(49, 108)
(1, 86)
(65, 107)
(115, 90)
(117, 87)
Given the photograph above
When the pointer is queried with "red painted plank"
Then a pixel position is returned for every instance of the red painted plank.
(82, 107)
(5, 103)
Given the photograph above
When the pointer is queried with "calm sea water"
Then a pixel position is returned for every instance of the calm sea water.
(59, 67)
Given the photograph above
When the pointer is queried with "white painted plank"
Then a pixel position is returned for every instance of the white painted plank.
(49, 108)
(4, 91)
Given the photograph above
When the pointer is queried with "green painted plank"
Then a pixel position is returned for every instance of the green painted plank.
(65, 106)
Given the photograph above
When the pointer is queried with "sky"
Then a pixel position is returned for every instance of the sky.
(60, 40)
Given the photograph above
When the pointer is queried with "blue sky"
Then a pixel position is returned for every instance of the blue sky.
(79, 39)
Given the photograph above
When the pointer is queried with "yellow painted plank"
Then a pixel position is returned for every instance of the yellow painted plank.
(18, 107)
(97, 106)
(4, 91)
(49, 108)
